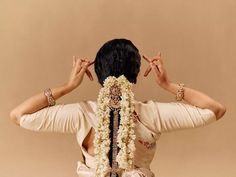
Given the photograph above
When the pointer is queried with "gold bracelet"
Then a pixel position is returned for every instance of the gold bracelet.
(48, 94)
(180, 92)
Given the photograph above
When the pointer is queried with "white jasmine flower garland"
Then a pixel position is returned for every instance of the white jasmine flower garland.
(126, 135)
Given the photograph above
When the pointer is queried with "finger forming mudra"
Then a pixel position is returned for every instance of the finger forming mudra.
(156, 61)
(156, 64)
(83, 65)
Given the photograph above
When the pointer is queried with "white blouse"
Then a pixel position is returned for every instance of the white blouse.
(152, 118)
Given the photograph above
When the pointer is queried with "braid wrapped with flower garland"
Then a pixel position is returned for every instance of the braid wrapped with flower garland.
(108, 99)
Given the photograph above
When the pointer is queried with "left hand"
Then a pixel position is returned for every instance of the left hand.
(80, 67)
(157, 66)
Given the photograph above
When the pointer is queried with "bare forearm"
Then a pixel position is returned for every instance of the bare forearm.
(198, 99)
(191, 96)
(37, 102)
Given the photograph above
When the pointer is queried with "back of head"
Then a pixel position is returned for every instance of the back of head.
(117, 57)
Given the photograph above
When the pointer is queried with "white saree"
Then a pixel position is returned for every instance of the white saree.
(151, 119)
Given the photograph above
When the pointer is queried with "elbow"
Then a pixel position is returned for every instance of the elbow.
(14, 117)
(220, 111)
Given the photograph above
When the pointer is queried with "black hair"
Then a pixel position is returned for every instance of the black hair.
(117, 57)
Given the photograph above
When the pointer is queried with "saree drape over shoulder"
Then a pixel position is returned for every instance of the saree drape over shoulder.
(151, 119)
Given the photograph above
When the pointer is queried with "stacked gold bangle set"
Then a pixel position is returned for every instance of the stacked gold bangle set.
(50, 99)
(180, 92)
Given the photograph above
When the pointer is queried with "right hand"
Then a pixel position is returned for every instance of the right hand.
(80, 67)
(156, 65)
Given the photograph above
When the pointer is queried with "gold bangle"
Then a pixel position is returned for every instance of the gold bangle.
(180, 92)
(48, 94)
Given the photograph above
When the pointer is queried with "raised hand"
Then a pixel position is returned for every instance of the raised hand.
(156, 64)
(80, 66)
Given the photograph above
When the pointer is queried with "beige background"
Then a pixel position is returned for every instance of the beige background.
(197, 40)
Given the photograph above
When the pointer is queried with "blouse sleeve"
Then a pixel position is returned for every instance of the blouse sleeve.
(170, 116)
(64, 118)
(178, 115)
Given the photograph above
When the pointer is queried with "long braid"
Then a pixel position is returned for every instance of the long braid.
(114, 138)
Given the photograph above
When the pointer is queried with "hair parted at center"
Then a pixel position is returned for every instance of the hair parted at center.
(117, 57)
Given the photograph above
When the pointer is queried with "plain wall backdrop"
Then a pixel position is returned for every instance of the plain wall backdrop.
(197, 41)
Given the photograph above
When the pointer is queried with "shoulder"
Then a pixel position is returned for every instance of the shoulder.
(89, 108)
(145, 108)
(144, 103)
(141, 107)
(147, 113)
(88, 104)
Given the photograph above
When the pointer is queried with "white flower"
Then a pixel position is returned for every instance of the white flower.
(126, 135)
